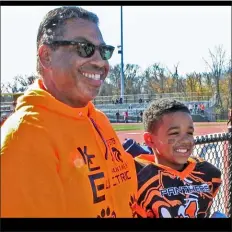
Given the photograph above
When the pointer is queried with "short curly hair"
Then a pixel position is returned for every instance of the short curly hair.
(157, 109)
(52, 26)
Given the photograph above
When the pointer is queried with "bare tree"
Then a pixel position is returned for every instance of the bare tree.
(176, 76)
(132, 79)
(24, 82)
(114, 78)
(177, 82)
(155, 78)
(217, 68)
(191, 81)
(12, 87)
(19, 84)
(106, 89)
(4, 88)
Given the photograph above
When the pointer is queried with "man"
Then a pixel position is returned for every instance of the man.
(60, 157)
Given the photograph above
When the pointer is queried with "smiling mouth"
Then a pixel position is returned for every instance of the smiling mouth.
(182, 151)
(93, 76)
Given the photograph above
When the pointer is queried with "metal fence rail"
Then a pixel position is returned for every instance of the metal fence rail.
(217, 149)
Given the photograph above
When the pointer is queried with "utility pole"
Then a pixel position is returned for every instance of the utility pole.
(120, 51)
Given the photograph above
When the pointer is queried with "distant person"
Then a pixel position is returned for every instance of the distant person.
(140, 100)
(172, 184)
(120, 100)
(141, 115)
(60, 156)
(126, 116)
(199, 108)
(190, 106)
(138, 117)
(117, 116)
(195, 108)
(202, 108)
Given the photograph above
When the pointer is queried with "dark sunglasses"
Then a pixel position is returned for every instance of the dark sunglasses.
(86, 49)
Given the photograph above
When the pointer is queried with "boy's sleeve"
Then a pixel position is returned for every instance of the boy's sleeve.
(216, 181)
(30, 183)
(143, 175)
(212, 174)
(139, 166)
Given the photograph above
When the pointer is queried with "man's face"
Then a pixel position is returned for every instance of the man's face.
(71, 75)
(172, 139)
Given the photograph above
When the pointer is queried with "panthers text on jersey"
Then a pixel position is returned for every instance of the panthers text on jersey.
(166, 193)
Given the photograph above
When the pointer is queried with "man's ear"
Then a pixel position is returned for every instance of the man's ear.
(148, 139)
(44, 54)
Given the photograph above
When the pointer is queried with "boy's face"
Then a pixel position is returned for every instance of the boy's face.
(172, 139)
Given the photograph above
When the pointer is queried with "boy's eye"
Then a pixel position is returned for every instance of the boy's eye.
(176, 133)
(173, 133)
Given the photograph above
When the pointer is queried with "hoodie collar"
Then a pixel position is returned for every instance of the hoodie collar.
(38, 96)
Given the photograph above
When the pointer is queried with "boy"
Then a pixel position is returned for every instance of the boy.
(171, 183)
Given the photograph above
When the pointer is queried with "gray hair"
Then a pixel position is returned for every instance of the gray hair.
(52, 26)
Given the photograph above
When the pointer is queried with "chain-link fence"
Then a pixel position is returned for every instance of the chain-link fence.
(217, 149)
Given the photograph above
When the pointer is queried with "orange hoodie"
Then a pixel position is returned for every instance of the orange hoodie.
(58, 161)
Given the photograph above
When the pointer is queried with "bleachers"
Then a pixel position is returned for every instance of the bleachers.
(116, 107)
(131, 99)
(132, 105)
(135, 108)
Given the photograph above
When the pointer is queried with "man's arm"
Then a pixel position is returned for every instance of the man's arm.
(30, 182)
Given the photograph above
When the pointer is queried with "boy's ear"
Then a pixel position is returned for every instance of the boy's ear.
(148, 139)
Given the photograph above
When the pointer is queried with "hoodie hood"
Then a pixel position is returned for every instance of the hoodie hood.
(38, 97)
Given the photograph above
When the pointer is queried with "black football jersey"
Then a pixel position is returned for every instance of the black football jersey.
(166, 193)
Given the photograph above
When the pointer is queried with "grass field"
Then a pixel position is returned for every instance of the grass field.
(127, 127)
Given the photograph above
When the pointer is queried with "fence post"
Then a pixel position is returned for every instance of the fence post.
(230, 169)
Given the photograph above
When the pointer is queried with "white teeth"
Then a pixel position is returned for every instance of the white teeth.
(98, 76)
(85, 74)
(182, 150)
(92, 76)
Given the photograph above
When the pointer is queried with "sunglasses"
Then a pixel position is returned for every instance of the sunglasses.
(86, 49)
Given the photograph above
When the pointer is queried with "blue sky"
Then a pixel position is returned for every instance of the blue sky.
(164, 34)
